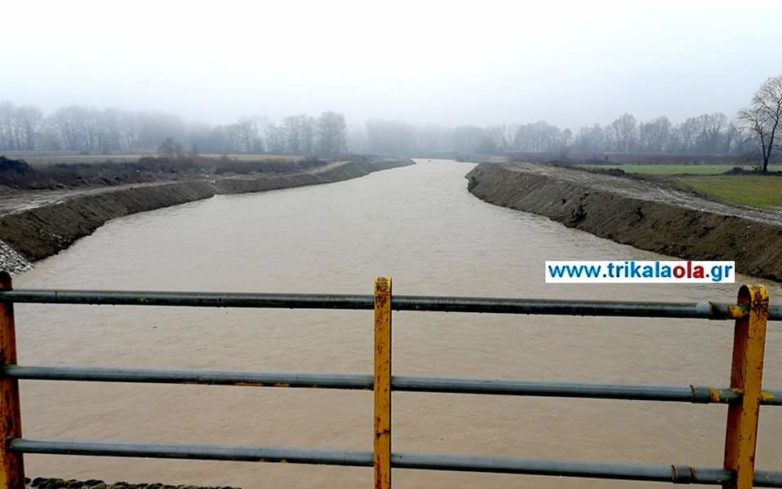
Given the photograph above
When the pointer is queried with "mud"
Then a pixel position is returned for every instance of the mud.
(642, 214)
(50, 483)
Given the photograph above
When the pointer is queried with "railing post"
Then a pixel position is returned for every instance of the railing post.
(11, 466)
(749, 340)
(382, 425)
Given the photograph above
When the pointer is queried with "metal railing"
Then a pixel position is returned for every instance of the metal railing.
(743, 396)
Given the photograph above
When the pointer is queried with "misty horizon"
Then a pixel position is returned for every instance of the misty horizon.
(422, 64)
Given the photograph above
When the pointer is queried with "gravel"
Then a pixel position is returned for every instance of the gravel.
(11, 261)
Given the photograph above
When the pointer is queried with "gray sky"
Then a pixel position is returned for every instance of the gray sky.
(478, 62)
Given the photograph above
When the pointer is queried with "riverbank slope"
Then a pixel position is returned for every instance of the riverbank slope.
(638, 213)
(36, 225)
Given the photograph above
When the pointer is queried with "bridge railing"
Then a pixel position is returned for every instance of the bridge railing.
(744, 395)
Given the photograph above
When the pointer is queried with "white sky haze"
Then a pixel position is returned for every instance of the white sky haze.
(449, 63)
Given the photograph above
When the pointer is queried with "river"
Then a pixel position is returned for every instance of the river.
(420, 226)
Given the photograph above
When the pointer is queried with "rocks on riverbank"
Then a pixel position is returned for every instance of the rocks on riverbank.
(12, 261)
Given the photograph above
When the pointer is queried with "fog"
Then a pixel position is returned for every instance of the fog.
(445, 63)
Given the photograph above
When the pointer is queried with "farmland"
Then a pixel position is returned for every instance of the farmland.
(764, 192)
(714, 169)
(711, 181)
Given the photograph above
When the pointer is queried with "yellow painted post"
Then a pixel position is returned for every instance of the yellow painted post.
(749, 341)
(382, 423)
(11, 466)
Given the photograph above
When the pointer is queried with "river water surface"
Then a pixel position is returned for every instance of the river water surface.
(420, 226)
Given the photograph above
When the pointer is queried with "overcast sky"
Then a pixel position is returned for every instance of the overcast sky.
(471, 62)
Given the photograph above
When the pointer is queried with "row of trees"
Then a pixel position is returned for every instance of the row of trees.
(753, 133)
(707, 134)
(88, 130)
(82, 129)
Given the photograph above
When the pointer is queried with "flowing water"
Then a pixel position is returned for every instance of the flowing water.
(419, 225)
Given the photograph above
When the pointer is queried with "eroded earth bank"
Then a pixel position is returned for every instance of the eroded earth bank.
(639, 213)
(38, 224)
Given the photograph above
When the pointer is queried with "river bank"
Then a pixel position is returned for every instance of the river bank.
(638, 213)
(48, 483)
(35, 225)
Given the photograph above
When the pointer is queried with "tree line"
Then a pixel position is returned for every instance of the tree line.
(105, 131)
(83, 129)
(707, 134)
(753, 133)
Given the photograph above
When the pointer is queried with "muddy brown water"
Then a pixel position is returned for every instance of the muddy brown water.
(420, 226)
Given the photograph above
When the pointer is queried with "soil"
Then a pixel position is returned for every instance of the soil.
(646, 214)
(48, 483)
(38, 224)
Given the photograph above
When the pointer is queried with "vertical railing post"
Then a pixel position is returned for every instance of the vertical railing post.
(11, 466)
(749, 340)
(382, 425)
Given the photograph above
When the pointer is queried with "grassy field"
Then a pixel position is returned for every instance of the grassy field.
(751, 190)
(710, 181)
(671, 169)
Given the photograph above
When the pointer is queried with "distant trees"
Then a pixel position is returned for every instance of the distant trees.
(590, 139)
(300, 133)
(18, 126)
(624, 133)
(655, 135)
(245, 135)
(86, 130)
(170, 148)
(761, 119)
(706, 134)
(332, 134)
(384, 136)
(539, 137)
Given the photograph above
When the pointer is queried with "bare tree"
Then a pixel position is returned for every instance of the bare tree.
(28, 120)
(590, 139)
(332, 134)
(170, 148)
(654, 136)
(761, 118)
(624, 132)
(7, 126)
(275, 138)
(248, 129)
(538, 137)
(294, 128)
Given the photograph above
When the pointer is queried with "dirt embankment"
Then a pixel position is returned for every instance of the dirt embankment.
(44, 483)
(637, 213)
(38, 225)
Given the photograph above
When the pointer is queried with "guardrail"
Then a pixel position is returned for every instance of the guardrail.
(743, 396)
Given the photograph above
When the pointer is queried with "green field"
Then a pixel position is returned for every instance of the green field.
(710, 181)
(751, 190)
(671, 169)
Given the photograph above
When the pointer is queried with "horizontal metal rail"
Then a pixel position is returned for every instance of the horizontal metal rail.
(446, 385)
(681, 474)
(744, 396)
(703, 310)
